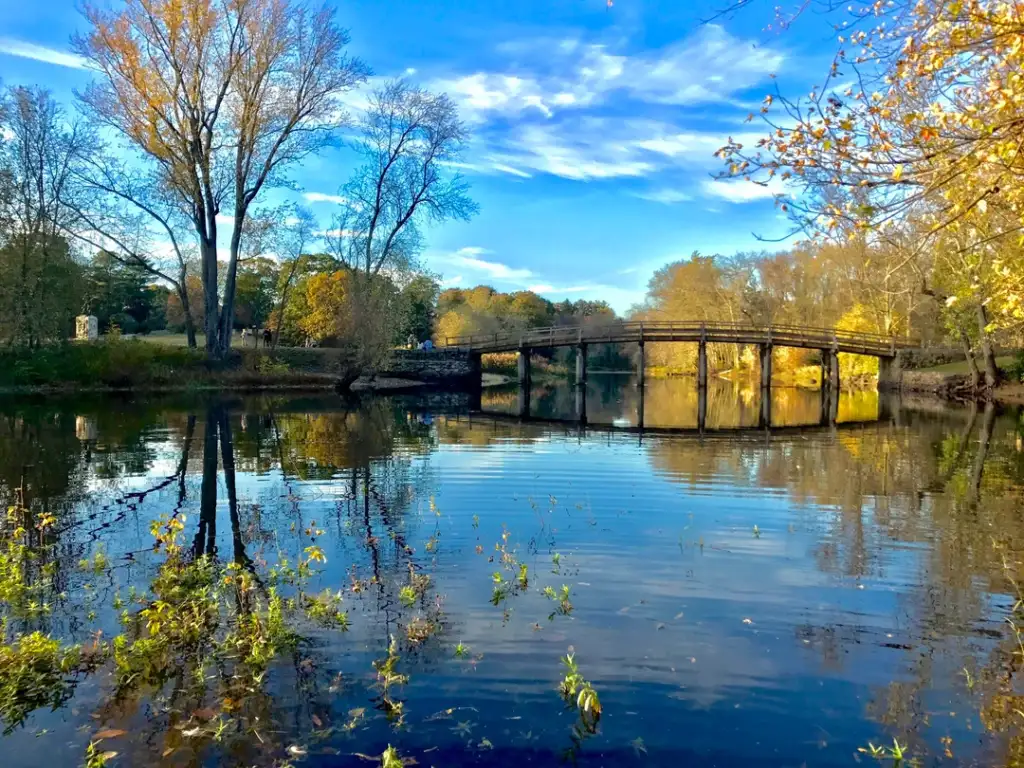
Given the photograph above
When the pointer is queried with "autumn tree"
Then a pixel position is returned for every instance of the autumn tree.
(924, 145)
(221, 98)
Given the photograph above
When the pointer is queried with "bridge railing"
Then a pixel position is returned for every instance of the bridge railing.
(712, 330)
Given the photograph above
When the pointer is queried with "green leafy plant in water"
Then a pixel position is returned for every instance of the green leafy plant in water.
(407, 596)
(524, 582)
(37, 671)
(896, 752)
(561, 597)
(461, 651)
(325, 610)
(390, 758)
(96, 756)
(578, 692)
(387, 676)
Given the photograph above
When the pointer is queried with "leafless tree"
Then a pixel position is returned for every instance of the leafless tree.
(36, 158)
(221, 98)
(409, 139)
(128, 213)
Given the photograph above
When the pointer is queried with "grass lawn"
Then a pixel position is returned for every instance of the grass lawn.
(960, 366)
(180, 340)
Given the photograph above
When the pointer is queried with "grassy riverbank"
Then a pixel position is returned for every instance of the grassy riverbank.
(119, 364)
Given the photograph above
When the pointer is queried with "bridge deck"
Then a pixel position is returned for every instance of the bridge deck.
(687, 331)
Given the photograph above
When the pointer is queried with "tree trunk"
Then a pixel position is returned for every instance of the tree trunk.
(283, 302)
(208, 254)
(190, 327)
(227, 312)
(988, 355)
(972, 365)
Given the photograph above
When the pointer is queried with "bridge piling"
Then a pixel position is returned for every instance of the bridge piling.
(833, 369)
(524, 367)
(581, 404)
(640, 363)
(890, 374)
(766, 366)
(702, 407)
(523, 402)
(581, 364)
(702, 365)
(765, 419)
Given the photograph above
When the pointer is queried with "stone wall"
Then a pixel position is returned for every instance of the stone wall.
(434, 366)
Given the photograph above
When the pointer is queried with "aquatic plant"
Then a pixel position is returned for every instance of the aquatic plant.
(390, 757)
(578, 691)
(461, 650)
(37, 671)
(324, 610)
(407, 596)
(387, 677)
(421, 629)
(561, 597)
(96, 757)
(897, 752)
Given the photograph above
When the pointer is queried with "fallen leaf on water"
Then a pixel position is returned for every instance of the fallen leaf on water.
(204, 714)
(748, 621)
(192, 732)
(109, 755)
(678, 616)
(168, 751)
(318, 722)
(110, 733)
(297, 751)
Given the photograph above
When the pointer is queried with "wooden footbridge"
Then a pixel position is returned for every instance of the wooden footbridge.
(829, 341)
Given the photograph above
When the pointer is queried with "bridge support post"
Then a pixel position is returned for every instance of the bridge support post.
(766, 366)
(765, 419)
(581, 404)
(702, 365)
(523, 402)
(640, 363)
(581, 364)
(702, 407)
(640, 405)
(890, 374)
(833, 369)
(524, 367)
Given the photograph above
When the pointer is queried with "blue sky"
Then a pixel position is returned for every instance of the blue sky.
(593, 128)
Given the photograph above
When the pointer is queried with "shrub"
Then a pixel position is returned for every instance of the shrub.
(1015, 369)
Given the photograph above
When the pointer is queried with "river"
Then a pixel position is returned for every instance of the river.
(737, 596)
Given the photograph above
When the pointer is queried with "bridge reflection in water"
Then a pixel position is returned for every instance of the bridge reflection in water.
(680, 406)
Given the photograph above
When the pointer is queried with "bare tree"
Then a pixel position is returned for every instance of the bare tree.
(36, 268)
(409, 139)
(290, 240)
(222, 97)
(134, 218)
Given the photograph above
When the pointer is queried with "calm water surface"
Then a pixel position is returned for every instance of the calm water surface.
(746, 598)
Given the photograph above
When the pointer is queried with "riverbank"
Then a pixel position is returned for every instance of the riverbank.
(131, 365)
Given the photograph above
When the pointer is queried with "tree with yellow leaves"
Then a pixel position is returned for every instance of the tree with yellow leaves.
(928, 139)
(221, 97)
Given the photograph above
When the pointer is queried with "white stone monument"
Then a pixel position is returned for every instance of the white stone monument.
(87, 328)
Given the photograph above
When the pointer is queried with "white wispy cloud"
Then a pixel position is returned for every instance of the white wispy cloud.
(469, 258)
(321, 197)
(743, 191)
(710, 65)
(26, 50)
(666, 196)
